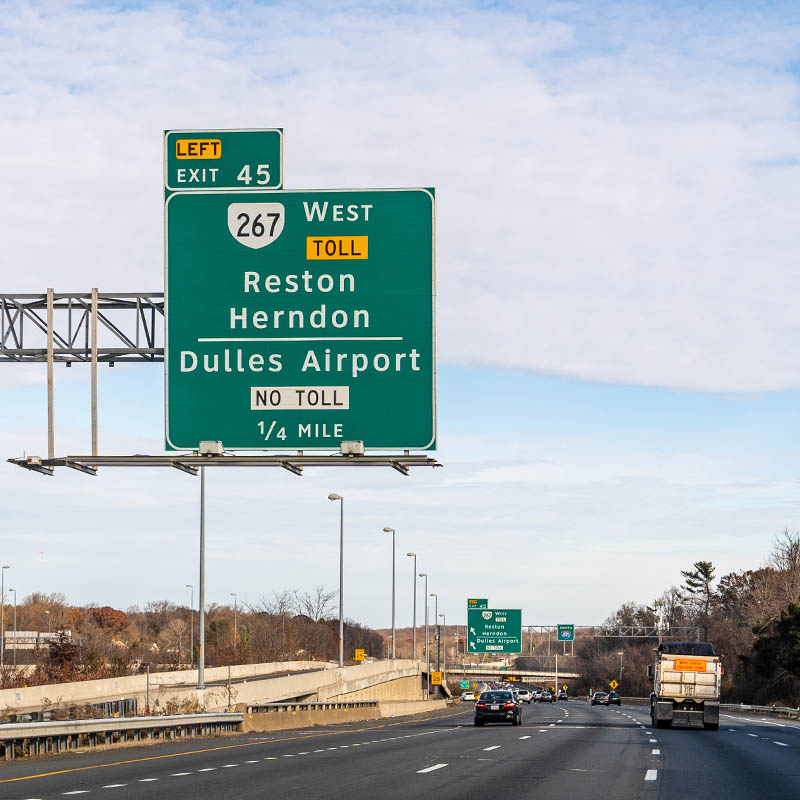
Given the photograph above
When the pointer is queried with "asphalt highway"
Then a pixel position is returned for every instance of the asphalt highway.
(569, 750)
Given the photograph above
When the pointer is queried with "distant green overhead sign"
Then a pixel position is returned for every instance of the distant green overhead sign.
(226, 159)
(480, 602)
(465, 684)
(566, 633)
(494, 630)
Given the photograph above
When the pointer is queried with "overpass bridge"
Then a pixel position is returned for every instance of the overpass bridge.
(496, 672)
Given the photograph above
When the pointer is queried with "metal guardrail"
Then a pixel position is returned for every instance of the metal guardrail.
(261, 708)
(786, 711)
(36, 738)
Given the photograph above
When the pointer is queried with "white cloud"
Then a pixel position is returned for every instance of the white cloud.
(616, 188)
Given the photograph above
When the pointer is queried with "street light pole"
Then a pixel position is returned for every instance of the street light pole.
(233, 595)
(15, 626)
(414, 556)
(3, 614)
(394, 630)
(427, 643)
(341, 575)
(444, 655)
(620, 654)
(48, 621)
(436, 623)
(191, 620)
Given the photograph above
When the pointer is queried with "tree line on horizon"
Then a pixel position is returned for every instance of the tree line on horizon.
(752, 617)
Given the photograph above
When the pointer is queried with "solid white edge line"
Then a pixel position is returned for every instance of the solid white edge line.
(430, 769)
(651, 775)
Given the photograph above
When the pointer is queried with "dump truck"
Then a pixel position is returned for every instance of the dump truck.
(686, 685)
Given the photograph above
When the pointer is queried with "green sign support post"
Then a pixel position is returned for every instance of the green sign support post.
(228, 159)
(299, 320)
(494, 630)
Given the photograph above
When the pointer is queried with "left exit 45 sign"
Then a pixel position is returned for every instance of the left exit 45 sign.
(249, 159)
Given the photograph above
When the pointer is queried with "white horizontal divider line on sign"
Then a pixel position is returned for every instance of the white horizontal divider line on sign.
(301, 339)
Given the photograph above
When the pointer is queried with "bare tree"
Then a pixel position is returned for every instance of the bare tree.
(316, 605)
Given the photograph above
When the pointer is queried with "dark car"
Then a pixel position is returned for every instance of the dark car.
(613, 699)
(600, 699)
(498, 706)
(546, 697)
(562, 695)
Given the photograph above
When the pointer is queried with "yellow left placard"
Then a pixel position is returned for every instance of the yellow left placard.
(198, 148)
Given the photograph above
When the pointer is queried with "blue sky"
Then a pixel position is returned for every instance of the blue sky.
(617, 239)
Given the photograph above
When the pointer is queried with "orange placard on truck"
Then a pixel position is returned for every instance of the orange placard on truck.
(690, 665)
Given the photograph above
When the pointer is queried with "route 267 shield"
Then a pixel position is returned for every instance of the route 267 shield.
(256, 225)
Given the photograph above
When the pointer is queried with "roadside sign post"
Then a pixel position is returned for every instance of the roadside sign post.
(436, 678)
(300, 320)
(494, 630)
(566, 633)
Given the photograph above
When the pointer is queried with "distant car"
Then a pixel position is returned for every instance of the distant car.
(562, 695)
(525, 695)
(467, 696)
(537, 695)
(600, 699)
(613, 699)
(546, 697)
(497, 706)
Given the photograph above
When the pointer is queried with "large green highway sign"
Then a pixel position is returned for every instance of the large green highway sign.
(297, 320)
(229, 159)
(494, 630)
(566, 633)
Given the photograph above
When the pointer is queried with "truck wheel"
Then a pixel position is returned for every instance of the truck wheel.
(711, 726)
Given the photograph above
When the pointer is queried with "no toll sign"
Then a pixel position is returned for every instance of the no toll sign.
(296, 320)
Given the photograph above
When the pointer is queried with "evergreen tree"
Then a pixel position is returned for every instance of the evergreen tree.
(697, 590)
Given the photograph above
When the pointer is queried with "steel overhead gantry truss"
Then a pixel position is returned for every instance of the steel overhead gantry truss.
(191, 462)
(131, 326)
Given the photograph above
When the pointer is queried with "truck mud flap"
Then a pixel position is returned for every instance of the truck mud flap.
(711, 713)
(664, 711)
(682, 717)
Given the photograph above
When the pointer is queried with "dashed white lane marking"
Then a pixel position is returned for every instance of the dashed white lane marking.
(344, 745)
(228, 766)
(288, 755)
(782, 744)
(755, 736)
(430, 769)
(551, 725)
(542, 730)
(77, 791)
(305, 752)
(146, 780)
(524, 737)
(179, 774)
(113, 785)
(493, 747)
(333, 748)
(651, 775)
(656, 752)
(732, 730)
(558, 720)
(319, 751)
(207, 769)
(653, 741)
